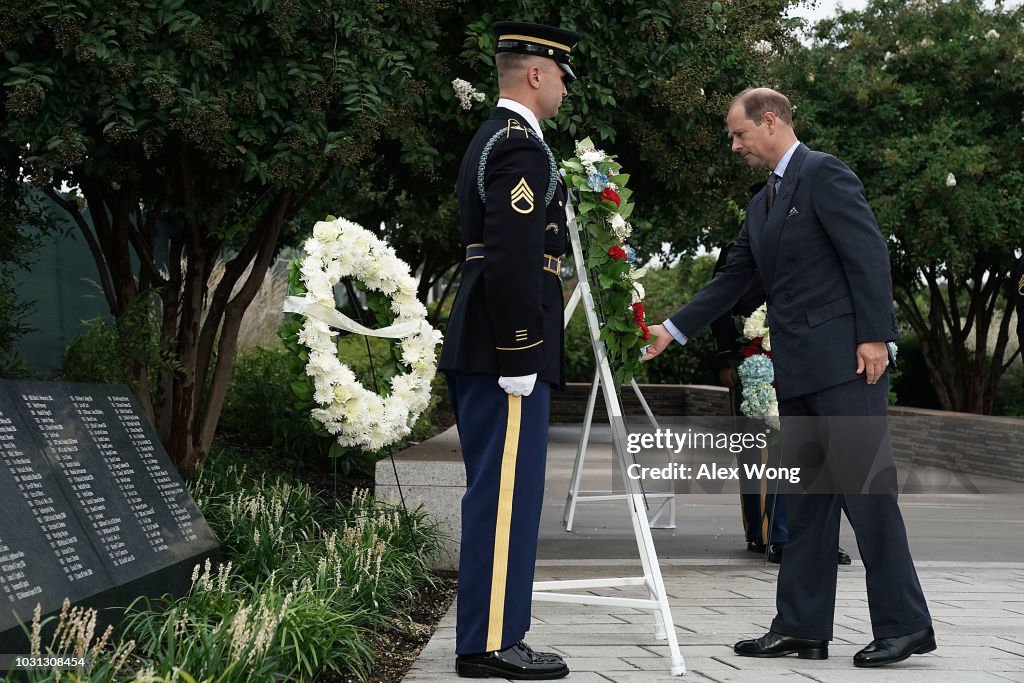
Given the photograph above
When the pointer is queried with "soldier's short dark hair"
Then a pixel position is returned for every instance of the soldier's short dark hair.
(509, 63)
(759, 101)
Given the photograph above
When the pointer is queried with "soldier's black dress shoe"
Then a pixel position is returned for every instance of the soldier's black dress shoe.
(884, 651)
(755, 547)
(844, 557)
(774, 644)
(518, 662)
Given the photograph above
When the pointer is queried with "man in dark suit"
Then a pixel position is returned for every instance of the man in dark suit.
(503, 350)
(763, 514)
(825, 268)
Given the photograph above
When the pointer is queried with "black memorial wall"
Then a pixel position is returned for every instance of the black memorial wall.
(91, 507)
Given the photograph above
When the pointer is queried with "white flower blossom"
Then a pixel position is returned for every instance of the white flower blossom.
(763, 47)
(466, 93)
(992, 34)
(638, 292)
(927, 42)
(326, 231)
(950, 180)
(756, 324)
(889, 56)
(314, 247)
(620, 228)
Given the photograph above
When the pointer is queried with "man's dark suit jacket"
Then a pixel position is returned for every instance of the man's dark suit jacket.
(825, 269)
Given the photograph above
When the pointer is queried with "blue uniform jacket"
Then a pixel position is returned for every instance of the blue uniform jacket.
(507, 315)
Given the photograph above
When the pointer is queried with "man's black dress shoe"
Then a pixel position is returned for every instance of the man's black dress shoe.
(774, 644)
(517, 662)
(755, 547)
(844, 557)
(884, 651)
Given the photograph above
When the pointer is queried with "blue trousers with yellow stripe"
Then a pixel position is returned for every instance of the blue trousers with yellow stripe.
(504, 446)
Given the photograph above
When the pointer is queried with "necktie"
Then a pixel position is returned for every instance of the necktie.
(772, 181)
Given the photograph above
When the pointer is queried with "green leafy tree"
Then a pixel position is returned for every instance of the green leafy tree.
(925, 101)
(655, 79)
(193, 133)
(24, 222)
(217, 120)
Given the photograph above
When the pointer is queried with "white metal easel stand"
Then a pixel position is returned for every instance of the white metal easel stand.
(657, 600)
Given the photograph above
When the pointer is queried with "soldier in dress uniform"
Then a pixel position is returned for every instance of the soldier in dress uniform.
(503, 350)
(763, 514)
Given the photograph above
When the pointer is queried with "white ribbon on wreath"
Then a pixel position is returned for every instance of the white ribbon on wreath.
(355, 415)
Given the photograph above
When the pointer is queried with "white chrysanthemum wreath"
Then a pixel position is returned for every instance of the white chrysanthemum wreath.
(355, 415)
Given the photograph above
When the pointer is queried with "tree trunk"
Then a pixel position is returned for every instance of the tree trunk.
(964, 381)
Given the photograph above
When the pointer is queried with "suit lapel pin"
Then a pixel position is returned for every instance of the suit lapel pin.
(792, 212)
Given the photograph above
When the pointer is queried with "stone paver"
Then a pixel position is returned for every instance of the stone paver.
(969, 558)
(982, 640)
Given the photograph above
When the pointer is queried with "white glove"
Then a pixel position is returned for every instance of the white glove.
(518, 386)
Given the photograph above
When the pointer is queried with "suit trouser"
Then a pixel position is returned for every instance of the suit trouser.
(806, 590)
(504, 446)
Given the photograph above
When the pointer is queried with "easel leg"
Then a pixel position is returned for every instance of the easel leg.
(581, 453)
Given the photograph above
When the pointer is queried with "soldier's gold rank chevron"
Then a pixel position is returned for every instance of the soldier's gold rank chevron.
(522, 195)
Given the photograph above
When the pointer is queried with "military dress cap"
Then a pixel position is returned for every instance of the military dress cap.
(537, 39)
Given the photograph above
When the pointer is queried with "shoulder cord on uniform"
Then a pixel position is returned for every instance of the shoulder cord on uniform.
(553, 173)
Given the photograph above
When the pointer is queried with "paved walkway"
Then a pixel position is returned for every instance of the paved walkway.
(968, 548)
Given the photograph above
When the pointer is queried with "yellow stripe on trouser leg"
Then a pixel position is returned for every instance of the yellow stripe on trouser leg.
(765, 534)
(504, 523)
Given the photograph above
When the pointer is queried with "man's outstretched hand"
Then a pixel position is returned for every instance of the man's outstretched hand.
(660, 339)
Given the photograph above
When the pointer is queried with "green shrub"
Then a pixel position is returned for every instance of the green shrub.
(105, 351)
(270, 527)
(912, 382)
(261, 411)
(94, 356)
(1009, 399)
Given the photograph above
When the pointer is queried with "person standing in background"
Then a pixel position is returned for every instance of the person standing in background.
(1017, 282)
